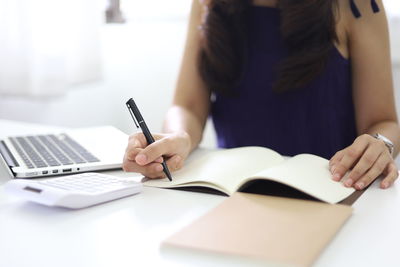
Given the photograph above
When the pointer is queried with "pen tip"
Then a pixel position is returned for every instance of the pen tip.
(166, 171)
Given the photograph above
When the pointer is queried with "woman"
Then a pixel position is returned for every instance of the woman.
(295, 76)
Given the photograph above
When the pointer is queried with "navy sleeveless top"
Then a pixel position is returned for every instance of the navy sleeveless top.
(317, 119)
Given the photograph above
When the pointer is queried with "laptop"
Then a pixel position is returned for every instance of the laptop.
(73, 151)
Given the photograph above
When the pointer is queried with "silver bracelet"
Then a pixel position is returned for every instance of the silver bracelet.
(389, 144)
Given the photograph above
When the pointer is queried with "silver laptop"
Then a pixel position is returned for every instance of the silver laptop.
(78, 150)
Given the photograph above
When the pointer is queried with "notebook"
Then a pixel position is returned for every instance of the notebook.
(73, 151)
(238, 169)
(275, 230)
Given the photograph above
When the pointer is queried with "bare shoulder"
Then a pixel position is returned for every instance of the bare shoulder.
(358, 20)
(344, 13)
(364, 15)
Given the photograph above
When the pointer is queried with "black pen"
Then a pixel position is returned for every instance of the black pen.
(139, 122)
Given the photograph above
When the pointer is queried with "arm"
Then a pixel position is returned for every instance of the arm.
(191, 101)
(185, 120)
(372, 76)
(368, 43)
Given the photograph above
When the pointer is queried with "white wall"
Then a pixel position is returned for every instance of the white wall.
(140, 60)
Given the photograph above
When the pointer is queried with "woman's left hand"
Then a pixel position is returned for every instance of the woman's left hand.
(366, 159)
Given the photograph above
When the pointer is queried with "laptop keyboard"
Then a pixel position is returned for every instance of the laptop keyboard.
(50, 150)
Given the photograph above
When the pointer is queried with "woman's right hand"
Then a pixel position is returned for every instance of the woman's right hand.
(146, 159)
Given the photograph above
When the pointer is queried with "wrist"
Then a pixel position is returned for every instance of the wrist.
(187, 139)
(388, 143)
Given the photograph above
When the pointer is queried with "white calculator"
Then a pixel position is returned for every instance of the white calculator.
(74, 191)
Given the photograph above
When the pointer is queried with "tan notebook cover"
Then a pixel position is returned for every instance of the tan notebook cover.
(274, 229)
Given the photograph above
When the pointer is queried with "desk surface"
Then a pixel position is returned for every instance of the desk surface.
(130, 230)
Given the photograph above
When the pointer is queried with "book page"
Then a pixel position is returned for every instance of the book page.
(309, 174)
(221, 169)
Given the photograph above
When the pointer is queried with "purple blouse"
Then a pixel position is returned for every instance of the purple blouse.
(317, 119)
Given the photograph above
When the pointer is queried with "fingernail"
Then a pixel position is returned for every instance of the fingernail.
(385, 185)
(177, 162)
(336, 177)
(142, 159)
(360, 185)
(137, 143)
(333, 169)
(348, 182)
(159, 168)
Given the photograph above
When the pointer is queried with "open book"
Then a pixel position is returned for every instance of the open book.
(231, 170)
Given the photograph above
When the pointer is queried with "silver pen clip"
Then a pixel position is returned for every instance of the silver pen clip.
(133, 116)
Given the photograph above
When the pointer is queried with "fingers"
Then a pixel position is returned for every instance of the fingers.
(136, 142)
(376, 169)
(154, 151)
(334, 161)
(365, 160)
(336, 158)
(145, 159)
(350, 156)
(174, 163)
(159, 160)
(374, 159)
(151, 170)
(392, 175)
(154, 169)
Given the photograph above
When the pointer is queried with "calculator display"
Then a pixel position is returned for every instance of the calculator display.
(35, 190)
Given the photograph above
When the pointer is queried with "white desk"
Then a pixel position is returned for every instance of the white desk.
(129, 231)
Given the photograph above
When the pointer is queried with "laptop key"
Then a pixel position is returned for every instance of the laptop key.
(71, 154)
(62, 158)
(31, 153)
(80, 149)
(50, 160)
(22, 154)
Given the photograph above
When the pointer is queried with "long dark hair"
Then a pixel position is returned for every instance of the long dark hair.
(308, 28)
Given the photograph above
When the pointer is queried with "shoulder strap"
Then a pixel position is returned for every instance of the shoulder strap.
(356, 12)
(375, 6)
